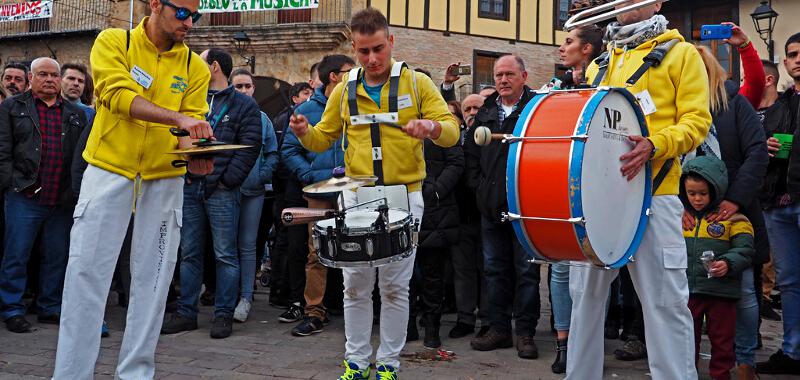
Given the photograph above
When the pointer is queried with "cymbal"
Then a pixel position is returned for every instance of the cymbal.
(338, 184)
(208, 149)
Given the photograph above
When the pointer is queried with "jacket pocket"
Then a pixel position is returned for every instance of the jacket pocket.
(674, 284)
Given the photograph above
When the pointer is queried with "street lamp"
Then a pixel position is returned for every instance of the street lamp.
(764, 18)
(242, 43)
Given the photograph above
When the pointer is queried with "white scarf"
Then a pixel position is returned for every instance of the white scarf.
(633, 35)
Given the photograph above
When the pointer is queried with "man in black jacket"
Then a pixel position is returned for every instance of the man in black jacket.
(39, 132)
(512, 280)
(780, 197)
(213, 200)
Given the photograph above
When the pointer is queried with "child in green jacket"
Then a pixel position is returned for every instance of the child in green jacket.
(714, 285)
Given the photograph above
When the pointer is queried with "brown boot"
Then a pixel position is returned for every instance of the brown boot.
(746, 372)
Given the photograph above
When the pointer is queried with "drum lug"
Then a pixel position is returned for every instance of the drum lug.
(315, 242)
(331, 249)
(648, 212)
(370, 248)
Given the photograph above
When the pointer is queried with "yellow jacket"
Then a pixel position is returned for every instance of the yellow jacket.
(403, 160)
(679, 88)
(127, 146)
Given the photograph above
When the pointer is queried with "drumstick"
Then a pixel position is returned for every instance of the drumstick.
(300, 215)
(484, 136)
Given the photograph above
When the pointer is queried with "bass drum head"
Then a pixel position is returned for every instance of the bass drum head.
(614, 209)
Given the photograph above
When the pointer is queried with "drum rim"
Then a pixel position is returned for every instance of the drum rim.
(576, 205)
(361, 231)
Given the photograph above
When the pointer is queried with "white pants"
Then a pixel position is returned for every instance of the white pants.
(393, 280)
(101, 220)
(659, 277)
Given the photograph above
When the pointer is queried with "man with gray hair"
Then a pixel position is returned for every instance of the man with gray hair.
(511, 279)
(39, 132)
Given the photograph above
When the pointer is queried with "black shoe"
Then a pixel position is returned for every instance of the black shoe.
(178, 323)
(768, 313)
(560, 364)
(526, 347)
(309, 325)
(18, 324)
(50, 319)
(611, 330)
(461, 330)
(222, 327)
(779, 364)
(492, 340)
(432, 339)
(412, 334)
(294, 314)
(482, 331)
(207, 298)
(633, 349)
(277, 302)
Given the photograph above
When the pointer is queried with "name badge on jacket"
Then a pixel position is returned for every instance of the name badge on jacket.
(141, 77)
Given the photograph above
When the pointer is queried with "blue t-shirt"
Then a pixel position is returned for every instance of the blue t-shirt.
(374, 92)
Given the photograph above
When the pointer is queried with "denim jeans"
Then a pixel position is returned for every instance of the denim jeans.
(249, 218)
(559, 292)
(24, 218)
(511, 280)
(221, 213)
(783, 226)
(747, 321)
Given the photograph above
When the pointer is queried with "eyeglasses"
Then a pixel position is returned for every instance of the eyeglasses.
(182, 13)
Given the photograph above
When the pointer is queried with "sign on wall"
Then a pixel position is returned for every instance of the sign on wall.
(219, 6)
(27, 10)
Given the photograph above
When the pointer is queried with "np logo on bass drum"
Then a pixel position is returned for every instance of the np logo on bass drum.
(613, 128)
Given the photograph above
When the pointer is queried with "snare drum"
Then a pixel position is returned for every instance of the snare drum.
(360, 243)
(567, 198)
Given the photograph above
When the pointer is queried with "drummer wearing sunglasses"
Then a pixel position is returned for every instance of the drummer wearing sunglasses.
(147, 81)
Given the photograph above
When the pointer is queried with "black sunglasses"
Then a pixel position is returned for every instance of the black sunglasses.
(182, 13)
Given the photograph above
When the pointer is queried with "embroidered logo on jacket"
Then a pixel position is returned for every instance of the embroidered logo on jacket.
(179, 85)
(715, 230)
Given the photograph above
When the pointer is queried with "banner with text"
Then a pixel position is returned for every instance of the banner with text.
(28, 10)
(219, 6)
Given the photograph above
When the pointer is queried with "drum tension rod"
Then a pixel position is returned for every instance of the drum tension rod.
(507, 216)
(513, 139)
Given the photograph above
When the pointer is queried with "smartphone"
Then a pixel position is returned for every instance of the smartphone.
(716, 32)
(461, 70)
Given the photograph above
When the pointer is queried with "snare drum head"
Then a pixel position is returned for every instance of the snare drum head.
(614, 209)
(364, 218)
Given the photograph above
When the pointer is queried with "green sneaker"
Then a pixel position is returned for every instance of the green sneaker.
(354, 373)
(385, 372)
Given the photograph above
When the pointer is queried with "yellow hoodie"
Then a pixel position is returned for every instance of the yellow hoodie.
(679, 89)
(121, 144)
(403, 160)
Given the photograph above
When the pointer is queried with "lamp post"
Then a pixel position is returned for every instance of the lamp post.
(242, 42)
(764, 18)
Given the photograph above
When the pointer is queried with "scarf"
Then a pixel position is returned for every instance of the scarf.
(633, 35)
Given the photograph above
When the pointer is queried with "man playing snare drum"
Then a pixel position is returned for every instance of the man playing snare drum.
(674, 96)
(383, 88)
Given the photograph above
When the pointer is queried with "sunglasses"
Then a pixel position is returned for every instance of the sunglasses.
(182, 13)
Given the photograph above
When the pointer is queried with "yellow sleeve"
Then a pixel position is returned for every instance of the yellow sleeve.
(320, 137)
(435, 108)
(691, 101)
(194, 100)
(741, 225)
(113, 85)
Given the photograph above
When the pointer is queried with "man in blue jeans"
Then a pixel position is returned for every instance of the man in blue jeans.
(213, 201)
(512, 281)
(782, 190)
(39, 132)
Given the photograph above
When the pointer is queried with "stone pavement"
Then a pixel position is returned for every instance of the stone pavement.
(263, 348)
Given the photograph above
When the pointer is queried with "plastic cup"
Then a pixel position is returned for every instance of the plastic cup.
(786, 144)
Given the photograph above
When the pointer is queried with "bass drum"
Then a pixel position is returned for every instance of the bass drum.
(567, 198)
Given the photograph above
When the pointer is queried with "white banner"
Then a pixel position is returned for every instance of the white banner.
(28, 10)
(219, 6)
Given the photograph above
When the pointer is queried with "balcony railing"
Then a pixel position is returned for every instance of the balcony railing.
(329, 12)
(68, 16)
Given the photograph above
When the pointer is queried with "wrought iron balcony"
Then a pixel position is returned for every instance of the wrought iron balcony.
(69, 17)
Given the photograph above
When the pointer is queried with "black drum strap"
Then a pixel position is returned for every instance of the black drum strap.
(662, 173)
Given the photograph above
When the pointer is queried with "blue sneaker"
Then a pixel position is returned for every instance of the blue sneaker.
(352, 372)
(104, 333)
(385, 372)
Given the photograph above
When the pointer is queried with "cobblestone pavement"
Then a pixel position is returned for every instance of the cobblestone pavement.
(263, 348)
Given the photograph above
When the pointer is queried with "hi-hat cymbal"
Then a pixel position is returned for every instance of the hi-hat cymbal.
(338, 184)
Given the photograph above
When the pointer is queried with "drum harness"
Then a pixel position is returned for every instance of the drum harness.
(653, 59)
